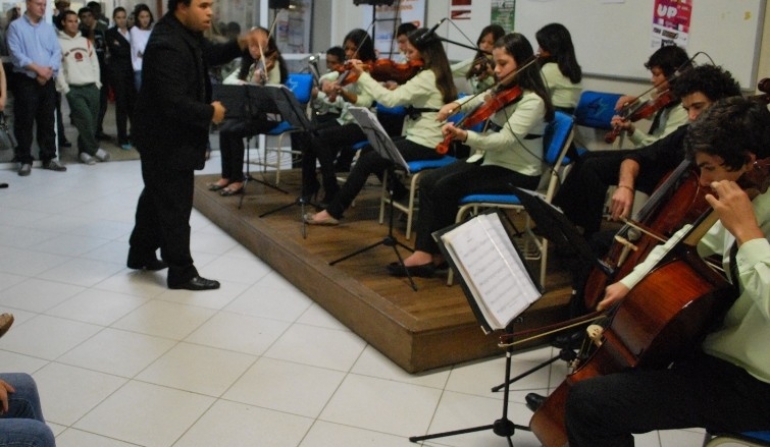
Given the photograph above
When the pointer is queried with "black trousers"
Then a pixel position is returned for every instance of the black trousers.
(328, 140)
(122, 82)
(700, 392)
(35, 104)
(163, 221)
(441, 190)
(231, 145)
(103, 94)
(370, 162)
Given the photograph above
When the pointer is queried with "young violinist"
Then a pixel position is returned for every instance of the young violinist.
(669, 113)
(329, 138)
(584, 191)
(725, 385)
(323, 108)
(512, 148)
(232, 132)
(424, 95)
(402, 37)
(479, 71)
(559, 66)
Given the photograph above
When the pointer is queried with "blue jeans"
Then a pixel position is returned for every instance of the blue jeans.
(24, 425)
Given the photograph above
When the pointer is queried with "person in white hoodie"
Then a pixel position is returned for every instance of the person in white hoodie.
(78, 80)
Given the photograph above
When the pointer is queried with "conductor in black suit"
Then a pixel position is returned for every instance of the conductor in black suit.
(171, 128)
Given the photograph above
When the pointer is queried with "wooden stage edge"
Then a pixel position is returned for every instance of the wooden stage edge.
(421, 330)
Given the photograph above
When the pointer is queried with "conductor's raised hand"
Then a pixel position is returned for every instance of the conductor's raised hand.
(219, 112)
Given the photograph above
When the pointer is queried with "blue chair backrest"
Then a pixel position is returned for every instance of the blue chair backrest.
(398, 110)
(596, 109)
(557, 135)
(301, 84)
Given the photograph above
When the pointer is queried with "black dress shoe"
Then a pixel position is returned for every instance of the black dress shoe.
(419, 271)
(534, 401)
(153, 265)
(197, 283)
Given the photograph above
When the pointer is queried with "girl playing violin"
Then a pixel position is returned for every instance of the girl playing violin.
(662, 64)
(326, 142)
(559, 66)
(232, 132)
(725, 385)
(480, 70)
(512, 148)
(425, 93)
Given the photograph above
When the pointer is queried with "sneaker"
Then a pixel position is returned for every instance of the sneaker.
(87, 159)
(53, 165)
(102, 155)
(126, 146)
(25, 169)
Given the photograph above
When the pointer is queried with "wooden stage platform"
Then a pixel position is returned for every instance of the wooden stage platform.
(418, 330)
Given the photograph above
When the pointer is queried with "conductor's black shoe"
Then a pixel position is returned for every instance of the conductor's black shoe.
(419, 271)
(153, 265)
(197, 283)
(534, 401)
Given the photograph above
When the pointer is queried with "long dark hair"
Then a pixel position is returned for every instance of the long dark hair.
(528, 78)
(363, 43)
(497, 32)
(139, 8)
(556, 40)
(434, 58)
(271, 51)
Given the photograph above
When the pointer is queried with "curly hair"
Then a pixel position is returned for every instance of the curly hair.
(731, 129)
(711, 80)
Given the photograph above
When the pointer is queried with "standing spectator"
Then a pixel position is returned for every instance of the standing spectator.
(62, 6)
(140, 34)
(79, 80)
(96, 33)
(121, 74)
(96, 9)
(36, 58)
(171, 124)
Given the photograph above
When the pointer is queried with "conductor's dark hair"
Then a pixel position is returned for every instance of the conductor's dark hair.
(172, 4)
(731, 129)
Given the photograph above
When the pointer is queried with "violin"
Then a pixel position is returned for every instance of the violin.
(637, 111)
(382, 70)
(491, 105)
(645, 334)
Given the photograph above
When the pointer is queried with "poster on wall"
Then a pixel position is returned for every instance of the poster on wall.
(504, 13)
(292, 27)
(670, 23)
(461, 10)
(388, 18)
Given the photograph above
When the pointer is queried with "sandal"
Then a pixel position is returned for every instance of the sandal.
(216, 186)
(228, 191)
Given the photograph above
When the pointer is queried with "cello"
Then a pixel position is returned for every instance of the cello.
(642, 335)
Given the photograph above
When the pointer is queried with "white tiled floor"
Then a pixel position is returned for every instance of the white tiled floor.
(122, 361)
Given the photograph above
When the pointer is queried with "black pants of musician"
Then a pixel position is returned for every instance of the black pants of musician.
(328, 140)
(700, 392)
(163, 221)
(35, 105)
(231, 145)
(122, 81)
(441, 190)
(584, 191)
(370, 162)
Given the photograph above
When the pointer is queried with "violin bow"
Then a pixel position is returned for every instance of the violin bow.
(262, 51)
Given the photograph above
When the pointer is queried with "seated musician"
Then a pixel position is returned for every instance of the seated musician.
(663, 64)
(559, 66)
(583, 193)
(252, 71)
(328, 138)
(725, 385)
(512, 148)
(479, 71)
(425, 94)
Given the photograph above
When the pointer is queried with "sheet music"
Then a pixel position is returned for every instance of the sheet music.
(377, 136)
(492, 269)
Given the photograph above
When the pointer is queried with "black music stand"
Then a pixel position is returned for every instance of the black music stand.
(504, 426)
(247, 104)
(385, 147)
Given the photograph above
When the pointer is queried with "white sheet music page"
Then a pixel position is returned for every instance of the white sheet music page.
(492, 268)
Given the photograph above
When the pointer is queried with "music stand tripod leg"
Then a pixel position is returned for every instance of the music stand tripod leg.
(501, 427)
(389, 240)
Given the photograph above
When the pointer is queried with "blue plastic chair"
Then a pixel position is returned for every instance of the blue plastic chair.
(595, 110)
(301, 85)
(556, 142)
(416, 168)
